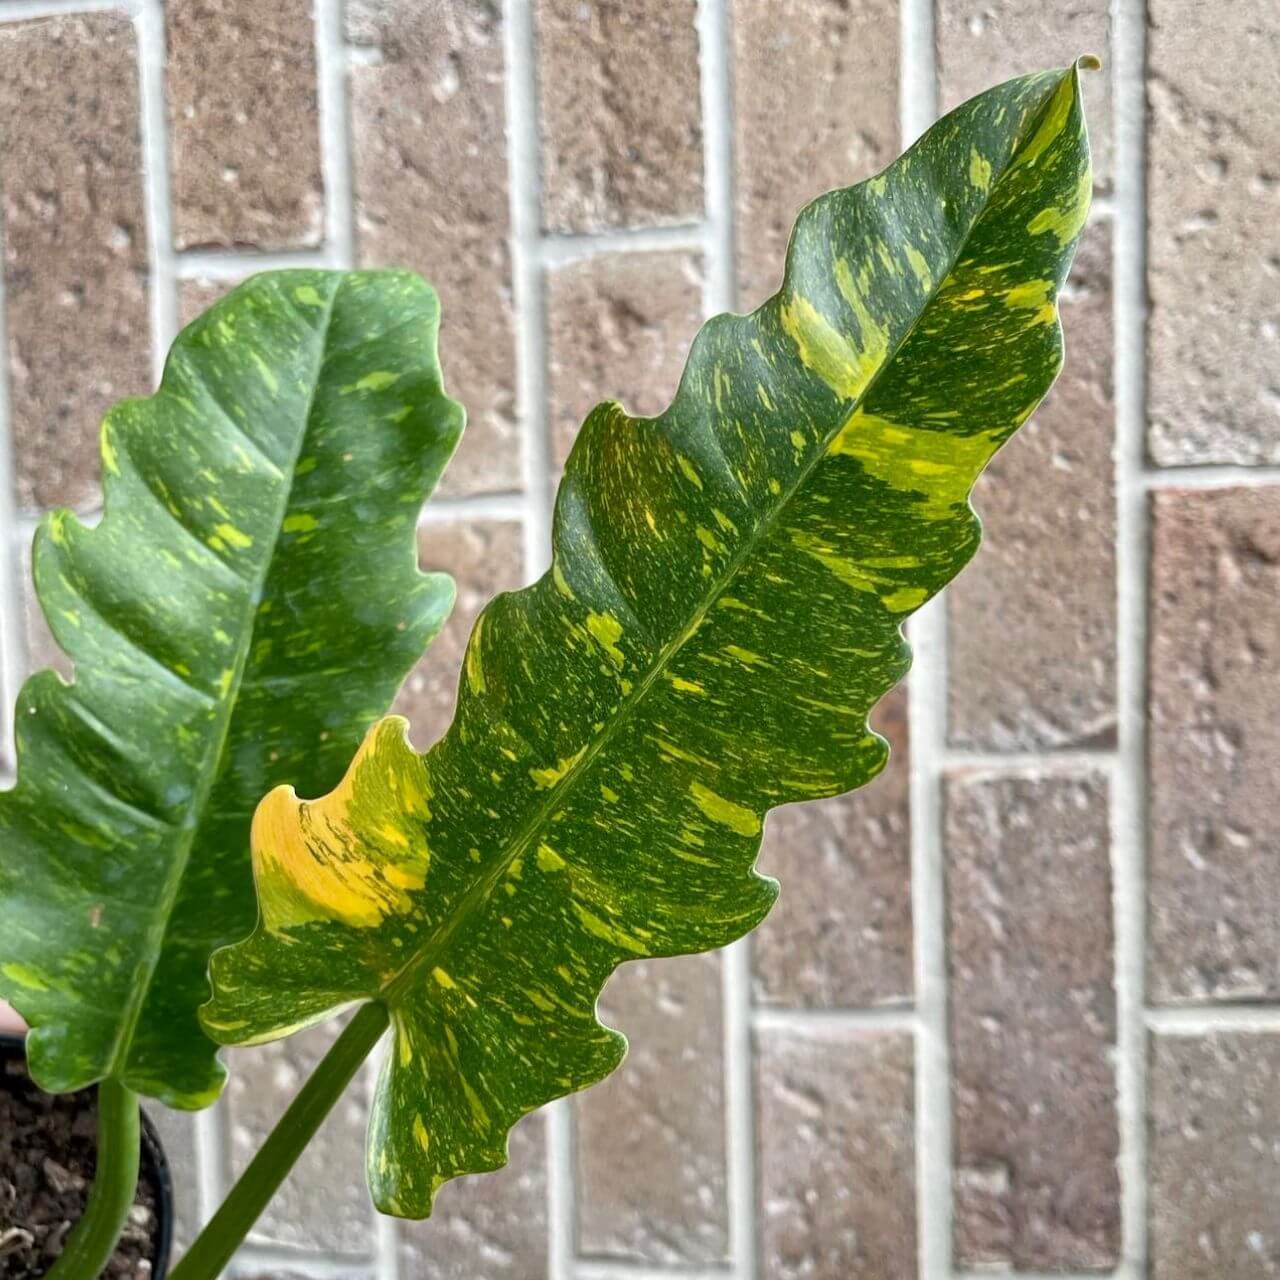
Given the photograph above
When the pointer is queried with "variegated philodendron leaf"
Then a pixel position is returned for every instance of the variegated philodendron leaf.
(724, 607)
(242, 613)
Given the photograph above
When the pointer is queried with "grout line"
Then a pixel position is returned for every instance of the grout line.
(279, 1258)
(720, 295)
(12, 643)
(213, 1171)
(385, 1229)
(927, 713)
(1129, 784)
(1048, 760)
(335, 140)
(558, 250)
(475, 506)
(152, 49)
(590, 1269)
(236, 264)
(1209, 477)
(520, 56)
(901, 1017)
(1203, 1020)
(716, 86)
(529, 302)
(917, 75)
(1121, 1273)
(24, 10)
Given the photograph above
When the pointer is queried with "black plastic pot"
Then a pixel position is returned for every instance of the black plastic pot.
(153, 1167)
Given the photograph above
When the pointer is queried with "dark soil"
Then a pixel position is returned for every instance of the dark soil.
(46, 1167)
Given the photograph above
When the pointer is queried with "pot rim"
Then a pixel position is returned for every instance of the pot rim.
(153, 1156)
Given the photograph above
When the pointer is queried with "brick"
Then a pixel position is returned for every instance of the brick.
(1033, 621)
(75, 245)
(619, 326)
(484, 557)
(620, 114)
(489, 1228)
(177, 1130)
(431, 194)
(651, 1138)
(1214, 737)
(1213, 251)
(984, 42)
(835, 124)
(243, 124)
(1215, 1157)
(323, 1204)
(196, 296)
(836, 1159)
(840, 935)
(1032, 1022)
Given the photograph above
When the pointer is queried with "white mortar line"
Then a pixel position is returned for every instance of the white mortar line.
(1210, 477)
(23, 10)
(559, 249)
(474, 506)
(591, 1269)
(1203, 1020)
(997, 1273)
(899, 1017)
(1129, 783)
(719, 295)
(152, 47)
(520, 56)
(385, 1229)
(12, 643)
(527, 283)
(236, 264)
(1046, 760)
(257, 1258)
(927, 712)
(335, 137)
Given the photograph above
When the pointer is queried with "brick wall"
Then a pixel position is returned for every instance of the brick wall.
(1019, 1005)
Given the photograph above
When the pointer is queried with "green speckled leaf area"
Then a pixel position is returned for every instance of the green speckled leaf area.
(724, 608)
(245, 609)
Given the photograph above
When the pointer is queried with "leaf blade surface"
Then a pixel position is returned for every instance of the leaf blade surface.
(723, 610)
(243, 611)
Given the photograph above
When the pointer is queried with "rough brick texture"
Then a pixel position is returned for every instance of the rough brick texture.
(1214, 741)
(982, 42)
(836, 1159)
(620, 113)
(490, 1228)
(798, 67)
(1214, 234)
(75, 261)
(1215, 1157)
(431, 194)
(243, 123)
(619, 329)
(323, 1203)
(1033, 624)
(1032, 1022)
(651, 1138)
(840, 934)
(484, 557)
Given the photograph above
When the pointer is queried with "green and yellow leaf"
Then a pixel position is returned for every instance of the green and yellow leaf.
(242, 613)
(724, 607)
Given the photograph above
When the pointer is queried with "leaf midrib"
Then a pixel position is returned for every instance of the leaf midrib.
(480, 893)
(193, 817)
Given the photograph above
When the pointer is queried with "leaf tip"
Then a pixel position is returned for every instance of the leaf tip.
(1088, 62)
